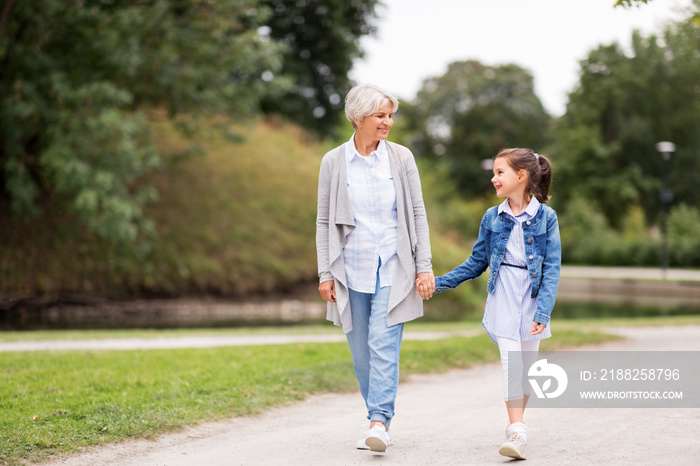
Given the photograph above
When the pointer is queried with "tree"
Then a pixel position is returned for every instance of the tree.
(629, 3)
(322, 40)
(78, 77)
(623, 105)
(471, 112)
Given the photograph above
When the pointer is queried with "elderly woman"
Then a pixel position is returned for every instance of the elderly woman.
(372, 242)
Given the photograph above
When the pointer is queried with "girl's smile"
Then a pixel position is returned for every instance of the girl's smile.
(506, 180)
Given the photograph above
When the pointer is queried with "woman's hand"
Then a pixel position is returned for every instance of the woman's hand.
(327, 290)
(537, 328)
(425, 284)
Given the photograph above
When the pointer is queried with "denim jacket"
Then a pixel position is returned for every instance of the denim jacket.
(542, 248)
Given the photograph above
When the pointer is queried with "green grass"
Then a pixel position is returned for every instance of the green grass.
(44, 335)
(60, 402)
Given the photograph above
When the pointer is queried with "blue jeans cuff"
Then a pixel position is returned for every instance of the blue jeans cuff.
(381, 418)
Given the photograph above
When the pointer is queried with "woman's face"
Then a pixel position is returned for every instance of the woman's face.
(377, 125)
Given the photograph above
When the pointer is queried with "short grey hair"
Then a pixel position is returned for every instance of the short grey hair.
(366, 99)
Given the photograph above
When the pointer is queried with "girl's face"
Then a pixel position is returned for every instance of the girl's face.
(506, 180)
(377, 125)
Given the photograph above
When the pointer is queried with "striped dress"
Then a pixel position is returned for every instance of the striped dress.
(510, 310)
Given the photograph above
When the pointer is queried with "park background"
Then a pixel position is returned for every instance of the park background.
(171, 149)
(157, 151)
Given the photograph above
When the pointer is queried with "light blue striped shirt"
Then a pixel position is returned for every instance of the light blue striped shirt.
(510, 310)
(373, 201)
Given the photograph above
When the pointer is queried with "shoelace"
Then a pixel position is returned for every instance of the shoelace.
(516, 439)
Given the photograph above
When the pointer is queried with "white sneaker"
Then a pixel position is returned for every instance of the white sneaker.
(378, 438)
(514, 447)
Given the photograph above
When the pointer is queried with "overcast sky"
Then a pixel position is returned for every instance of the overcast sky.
(417, 39)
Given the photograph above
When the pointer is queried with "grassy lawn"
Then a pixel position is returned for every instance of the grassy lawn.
(43, 335)
(60, 402)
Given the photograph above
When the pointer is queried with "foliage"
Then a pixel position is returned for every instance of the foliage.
(623, 106)
(588, 238)
(471, 112)
(684, 241)
(242, 217)
(236, 219)
(322, 40)
(76, 76)
(630, 3)
(457, 217)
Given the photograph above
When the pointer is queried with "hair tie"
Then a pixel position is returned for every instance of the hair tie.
(537, 156)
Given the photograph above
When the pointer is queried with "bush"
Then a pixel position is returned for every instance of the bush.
(684, 239)
(588, 239)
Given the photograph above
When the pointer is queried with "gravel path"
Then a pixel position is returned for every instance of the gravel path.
(455, 418)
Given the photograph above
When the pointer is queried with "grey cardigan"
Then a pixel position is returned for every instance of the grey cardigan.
(335, 221)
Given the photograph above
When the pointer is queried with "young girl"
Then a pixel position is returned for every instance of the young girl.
(519, 242)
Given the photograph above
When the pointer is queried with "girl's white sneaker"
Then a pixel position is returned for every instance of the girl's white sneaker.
(514, 447)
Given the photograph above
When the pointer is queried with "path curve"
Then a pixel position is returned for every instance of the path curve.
(455, 418)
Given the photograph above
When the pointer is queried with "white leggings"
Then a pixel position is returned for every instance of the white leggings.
(523, 354)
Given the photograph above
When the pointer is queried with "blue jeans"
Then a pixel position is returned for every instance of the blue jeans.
(375, 352)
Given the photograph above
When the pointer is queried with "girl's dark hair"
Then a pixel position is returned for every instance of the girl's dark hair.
(538, 168)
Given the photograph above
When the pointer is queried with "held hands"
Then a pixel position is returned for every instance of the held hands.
(425, 284)
(537, 328)
(327, 290)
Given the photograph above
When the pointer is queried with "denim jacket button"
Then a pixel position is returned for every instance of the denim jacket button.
(531, 257)
(534, 274)
(529, 240)
(528, 222)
